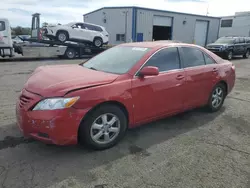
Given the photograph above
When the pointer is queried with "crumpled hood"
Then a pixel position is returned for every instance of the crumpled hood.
(57, 80)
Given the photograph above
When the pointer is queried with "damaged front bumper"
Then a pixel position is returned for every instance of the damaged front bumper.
(58, 127)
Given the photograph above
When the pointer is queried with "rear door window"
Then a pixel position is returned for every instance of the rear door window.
(92, 27)
(237, 41)
(192, 57)
(2, 25)
(242, 40)
(208, 59)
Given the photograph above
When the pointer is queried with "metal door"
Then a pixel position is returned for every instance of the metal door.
(200, 33)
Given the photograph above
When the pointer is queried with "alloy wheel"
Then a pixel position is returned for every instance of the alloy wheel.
(62, 37)
(247, 54)
(230, 55)
(105, 128)
(98, 42)
(217, 97)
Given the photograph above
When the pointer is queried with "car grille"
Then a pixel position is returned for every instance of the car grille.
(24, 100)
(215, 48)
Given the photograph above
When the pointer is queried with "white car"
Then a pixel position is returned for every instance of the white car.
(78, 32)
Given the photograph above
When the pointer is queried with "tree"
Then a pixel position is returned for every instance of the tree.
(45, 24)
(21, 30)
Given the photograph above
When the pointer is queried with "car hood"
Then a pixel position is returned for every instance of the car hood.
(57, 80)
(216, 45)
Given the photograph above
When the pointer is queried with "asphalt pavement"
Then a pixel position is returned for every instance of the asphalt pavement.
(191, 150)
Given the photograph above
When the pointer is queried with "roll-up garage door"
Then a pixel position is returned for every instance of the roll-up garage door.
(162, 21)
(200, 34)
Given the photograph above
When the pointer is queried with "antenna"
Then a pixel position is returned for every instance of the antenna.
(207, 8)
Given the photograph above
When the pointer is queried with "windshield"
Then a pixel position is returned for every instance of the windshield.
(224, 41)
(117, 60)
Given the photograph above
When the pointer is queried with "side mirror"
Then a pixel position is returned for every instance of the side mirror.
(149, 71)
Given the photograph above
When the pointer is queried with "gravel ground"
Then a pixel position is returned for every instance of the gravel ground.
(193, 149)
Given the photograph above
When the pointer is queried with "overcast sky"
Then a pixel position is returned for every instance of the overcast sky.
(64, 11)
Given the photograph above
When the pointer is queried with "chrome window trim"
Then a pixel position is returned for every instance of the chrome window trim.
(135, 75)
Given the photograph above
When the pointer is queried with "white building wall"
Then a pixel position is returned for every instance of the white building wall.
(181, 32)
(144, 23)
(240, 26)
(115, 22)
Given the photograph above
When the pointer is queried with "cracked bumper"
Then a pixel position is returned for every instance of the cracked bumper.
(58, 127)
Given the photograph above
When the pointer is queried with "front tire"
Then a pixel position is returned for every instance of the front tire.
(217, 97)
(98, 42)
(104, 127)
(62, 36)
(246, 55)
(230, 55)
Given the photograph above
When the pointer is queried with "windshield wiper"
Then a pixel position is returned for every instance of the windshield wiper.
(93, 68)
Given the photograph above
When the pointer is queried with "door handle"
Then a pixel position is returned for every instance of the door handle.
(215, 69)
(179, 77)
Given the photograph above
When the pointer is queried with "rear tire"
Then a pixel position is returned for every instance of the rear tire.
(246, 55)
(104, 127)
(217, 98)
(62, 36)
(70, 53)
(98, 42)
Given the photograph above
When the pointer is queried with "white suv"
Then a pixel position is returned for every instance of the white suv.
(78, 32)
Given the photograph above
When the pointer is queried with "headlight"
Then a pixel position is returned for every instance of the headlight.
(56, 103)
(224, 47)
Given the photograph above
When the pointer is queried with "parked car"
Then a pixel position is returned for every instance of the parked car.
(78, 32)
(125, 86)
(227, 47)
(20, 39)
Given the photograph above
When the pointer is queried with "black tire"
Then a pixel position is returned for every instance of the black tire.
(210, 105)
(85, 131)
(229, 55)
(98, 42)
(62, 36)
(70, 53)
(246, 55)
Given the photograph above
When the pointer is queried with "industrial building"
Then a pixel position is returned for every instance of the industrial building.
(126, 24)
(237, 25)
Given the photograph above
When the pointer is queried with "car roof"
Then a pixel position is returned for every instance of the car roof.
(72, 23)
(157, 44)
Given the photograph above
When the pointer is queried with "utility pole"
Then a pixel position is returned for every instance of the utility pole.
(126, 20)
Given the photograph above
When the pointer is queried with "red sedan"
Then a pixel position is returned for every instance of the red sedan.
(125, 86)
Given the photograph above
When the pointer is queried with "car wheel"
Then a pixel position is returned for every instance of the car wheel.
(104, 127)
(98, 42)
(62, 36)
(70, 53)
(230, 55)
(217, 97)
(246, 55)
